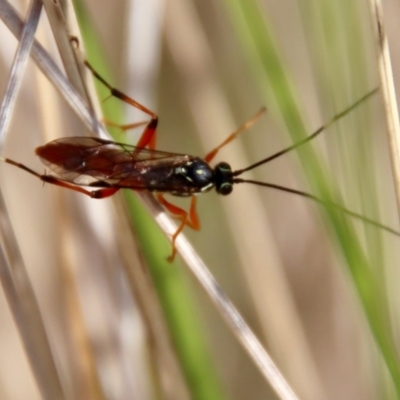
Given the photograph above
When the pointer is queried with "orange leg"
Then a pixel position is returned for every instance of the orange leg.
(148, 137)
(95, 194)
(190, 219)
(233, 135)
(124, 127)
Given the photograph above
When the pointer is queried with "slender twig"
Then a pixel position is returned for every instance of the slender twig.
(14, 277)
(388, 93)
(52, 72)
(230, 314)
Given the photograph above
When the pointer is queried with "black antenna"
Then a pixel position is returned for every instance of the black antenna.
(322, 202)
(307, 139)
(305, 194)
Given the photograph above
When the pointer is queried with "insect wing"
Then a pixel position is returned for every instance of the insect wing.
(97, 162)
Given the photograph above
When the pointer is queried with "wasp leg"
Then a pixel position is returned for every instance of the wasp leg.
(148, 137)
(233, 135)
(95, 194)
(187, 218)
(124, 127)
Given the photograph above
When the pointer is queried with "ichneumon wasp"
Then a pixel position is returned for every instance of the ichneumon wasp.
(111, 166)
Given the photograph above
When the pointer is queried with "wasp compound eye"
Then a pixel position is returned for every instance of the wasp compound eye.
(223, 178)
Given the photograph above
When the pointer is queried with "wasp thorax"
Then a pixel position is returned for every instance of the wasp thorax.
(223, 178)
(198, 174)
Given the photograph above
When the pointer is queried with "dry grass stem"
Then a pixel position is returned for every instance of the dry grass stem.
(15, 280)
(388, 93)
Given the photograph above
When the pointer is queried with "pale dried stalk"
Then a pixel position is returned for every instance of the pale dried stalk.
(388, 94)
(14, 277)
(55, 14)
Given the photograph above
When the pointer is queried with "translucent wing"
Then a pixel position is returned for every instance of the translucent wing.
(97, 162)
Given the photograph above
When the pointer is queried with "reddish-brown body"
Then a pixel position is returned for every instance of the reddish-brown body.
(94, 162)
